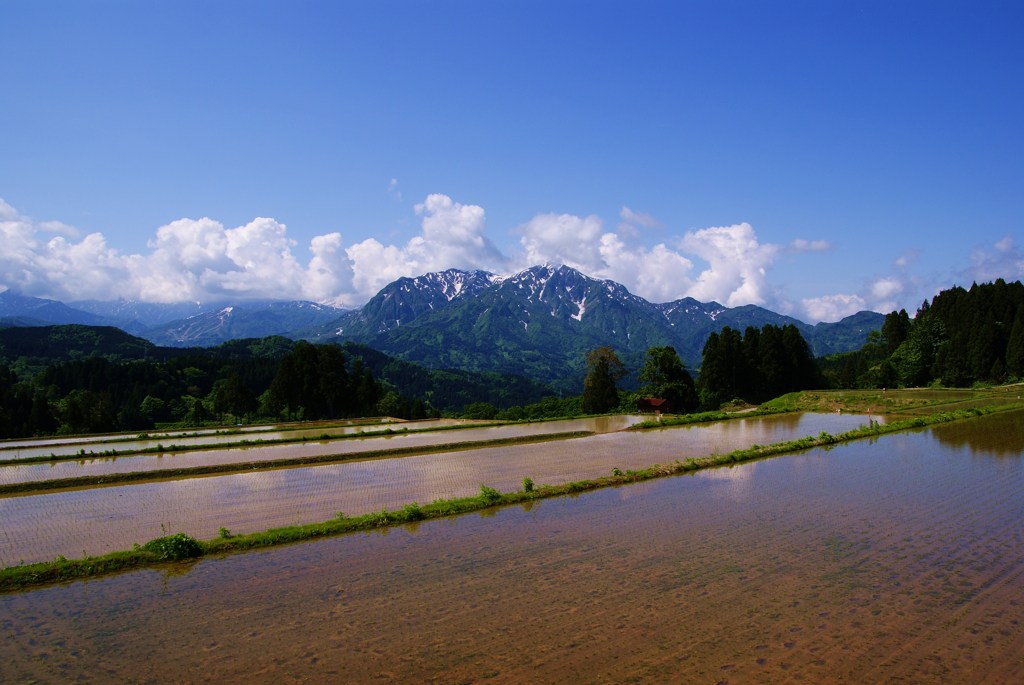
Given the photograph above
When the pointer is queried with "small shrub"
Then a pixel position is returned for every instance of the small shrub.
(174, 547)
(224, 533)
(412, 512)
(616, 471)
(527, 484)
(489, 494)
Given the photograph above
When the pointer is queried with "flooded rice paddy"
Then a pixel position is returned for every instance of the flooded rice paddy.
(97, 520)
(14, 472)
(899, 559)
(85, 446)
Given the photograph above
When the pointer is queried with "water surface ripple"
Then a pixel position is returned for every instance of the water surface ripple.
(894, 560)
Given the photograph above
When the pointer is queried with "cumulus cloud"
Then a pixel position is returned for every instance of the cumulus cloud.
(203, 260)
(833, 307)
(657, 273)
(886, 287)
(189, 259)
(56, 267)
(451, 236)
(737, 262)
(737, 265)
(563, 239)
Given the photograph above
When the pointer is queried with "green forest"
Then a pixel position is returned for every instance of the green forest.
(962, 338)
(81, 379)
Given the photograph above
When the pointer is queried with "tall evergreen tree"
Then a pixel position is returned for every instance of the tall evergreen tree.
(756, 366)
(599, 392)
(1015, 347)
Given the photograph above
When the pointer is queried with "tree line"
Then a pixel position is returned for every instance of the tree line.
(960, 338)
(752, 366)
(99, 395)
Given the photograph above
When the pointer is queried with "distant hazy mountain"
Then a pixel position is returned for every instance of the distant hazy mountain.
(542, 321)
(247, 320)
(18, 309)
(135, 316)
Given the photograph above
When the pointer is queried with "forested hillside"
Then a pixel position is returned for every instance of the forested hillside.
(962, 337)
(83, 379)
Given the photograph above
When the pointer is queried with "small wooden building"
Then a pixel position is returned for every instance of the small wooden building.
(654, 405)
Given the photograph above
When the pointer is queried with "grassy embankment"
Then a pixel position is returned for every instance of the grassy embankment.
(178, 547)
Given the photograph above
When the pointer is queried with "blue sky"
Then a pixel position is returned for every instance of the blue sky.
(813, 157)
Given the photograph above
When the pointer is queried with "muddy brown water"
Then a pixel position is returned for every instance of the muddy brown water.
(93, 446)
(894, 560)
(103, 519)
(101, 466)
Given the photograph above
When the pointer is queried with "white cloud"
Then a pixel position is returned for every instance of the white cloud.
(886, 288)
(201, 259)
(658, 273)
(329, 276)
(394, 190)
(453, 236)
(1003, 260)
(801, 245)
(833, 307)
(189, 260)
(563, 239)
(737, 265)
(59, 228)
(375, 265)
(638, 218)
(7, 212)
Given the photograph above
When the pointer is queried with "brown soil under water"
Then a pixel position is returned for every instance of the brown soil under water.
(77, 523)
(896, 560)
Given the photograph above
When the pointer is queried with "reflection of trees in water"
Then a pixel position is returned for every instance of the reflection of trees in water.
(789, 421)
(999, 435)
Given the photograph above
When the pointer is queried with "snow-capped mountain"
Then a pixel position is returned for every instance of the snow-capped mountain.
(407, 299)
(540, 322)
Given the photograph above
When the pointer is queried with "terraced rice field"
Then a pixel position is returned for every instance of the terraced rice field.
(95, 520)
(897, 559)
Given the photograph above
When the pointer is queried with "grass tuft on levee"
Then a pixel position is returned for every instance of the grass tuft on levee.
(180, 546)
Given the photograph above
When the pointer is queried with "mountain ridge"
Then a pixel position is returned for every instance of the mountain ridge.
(539, 322)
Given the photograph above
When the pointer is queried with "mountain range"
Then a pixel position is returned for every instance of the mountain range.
(538, 323)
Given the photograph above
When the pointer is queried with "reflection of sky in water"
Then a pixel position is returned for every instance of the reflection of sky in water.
(103, 519)
(179, 460)
(811, 561)
(63, 446)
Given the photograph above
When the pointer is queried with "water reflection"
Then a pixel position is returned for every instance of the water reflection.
(894, 562)
(997, 435)
(99, 520)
